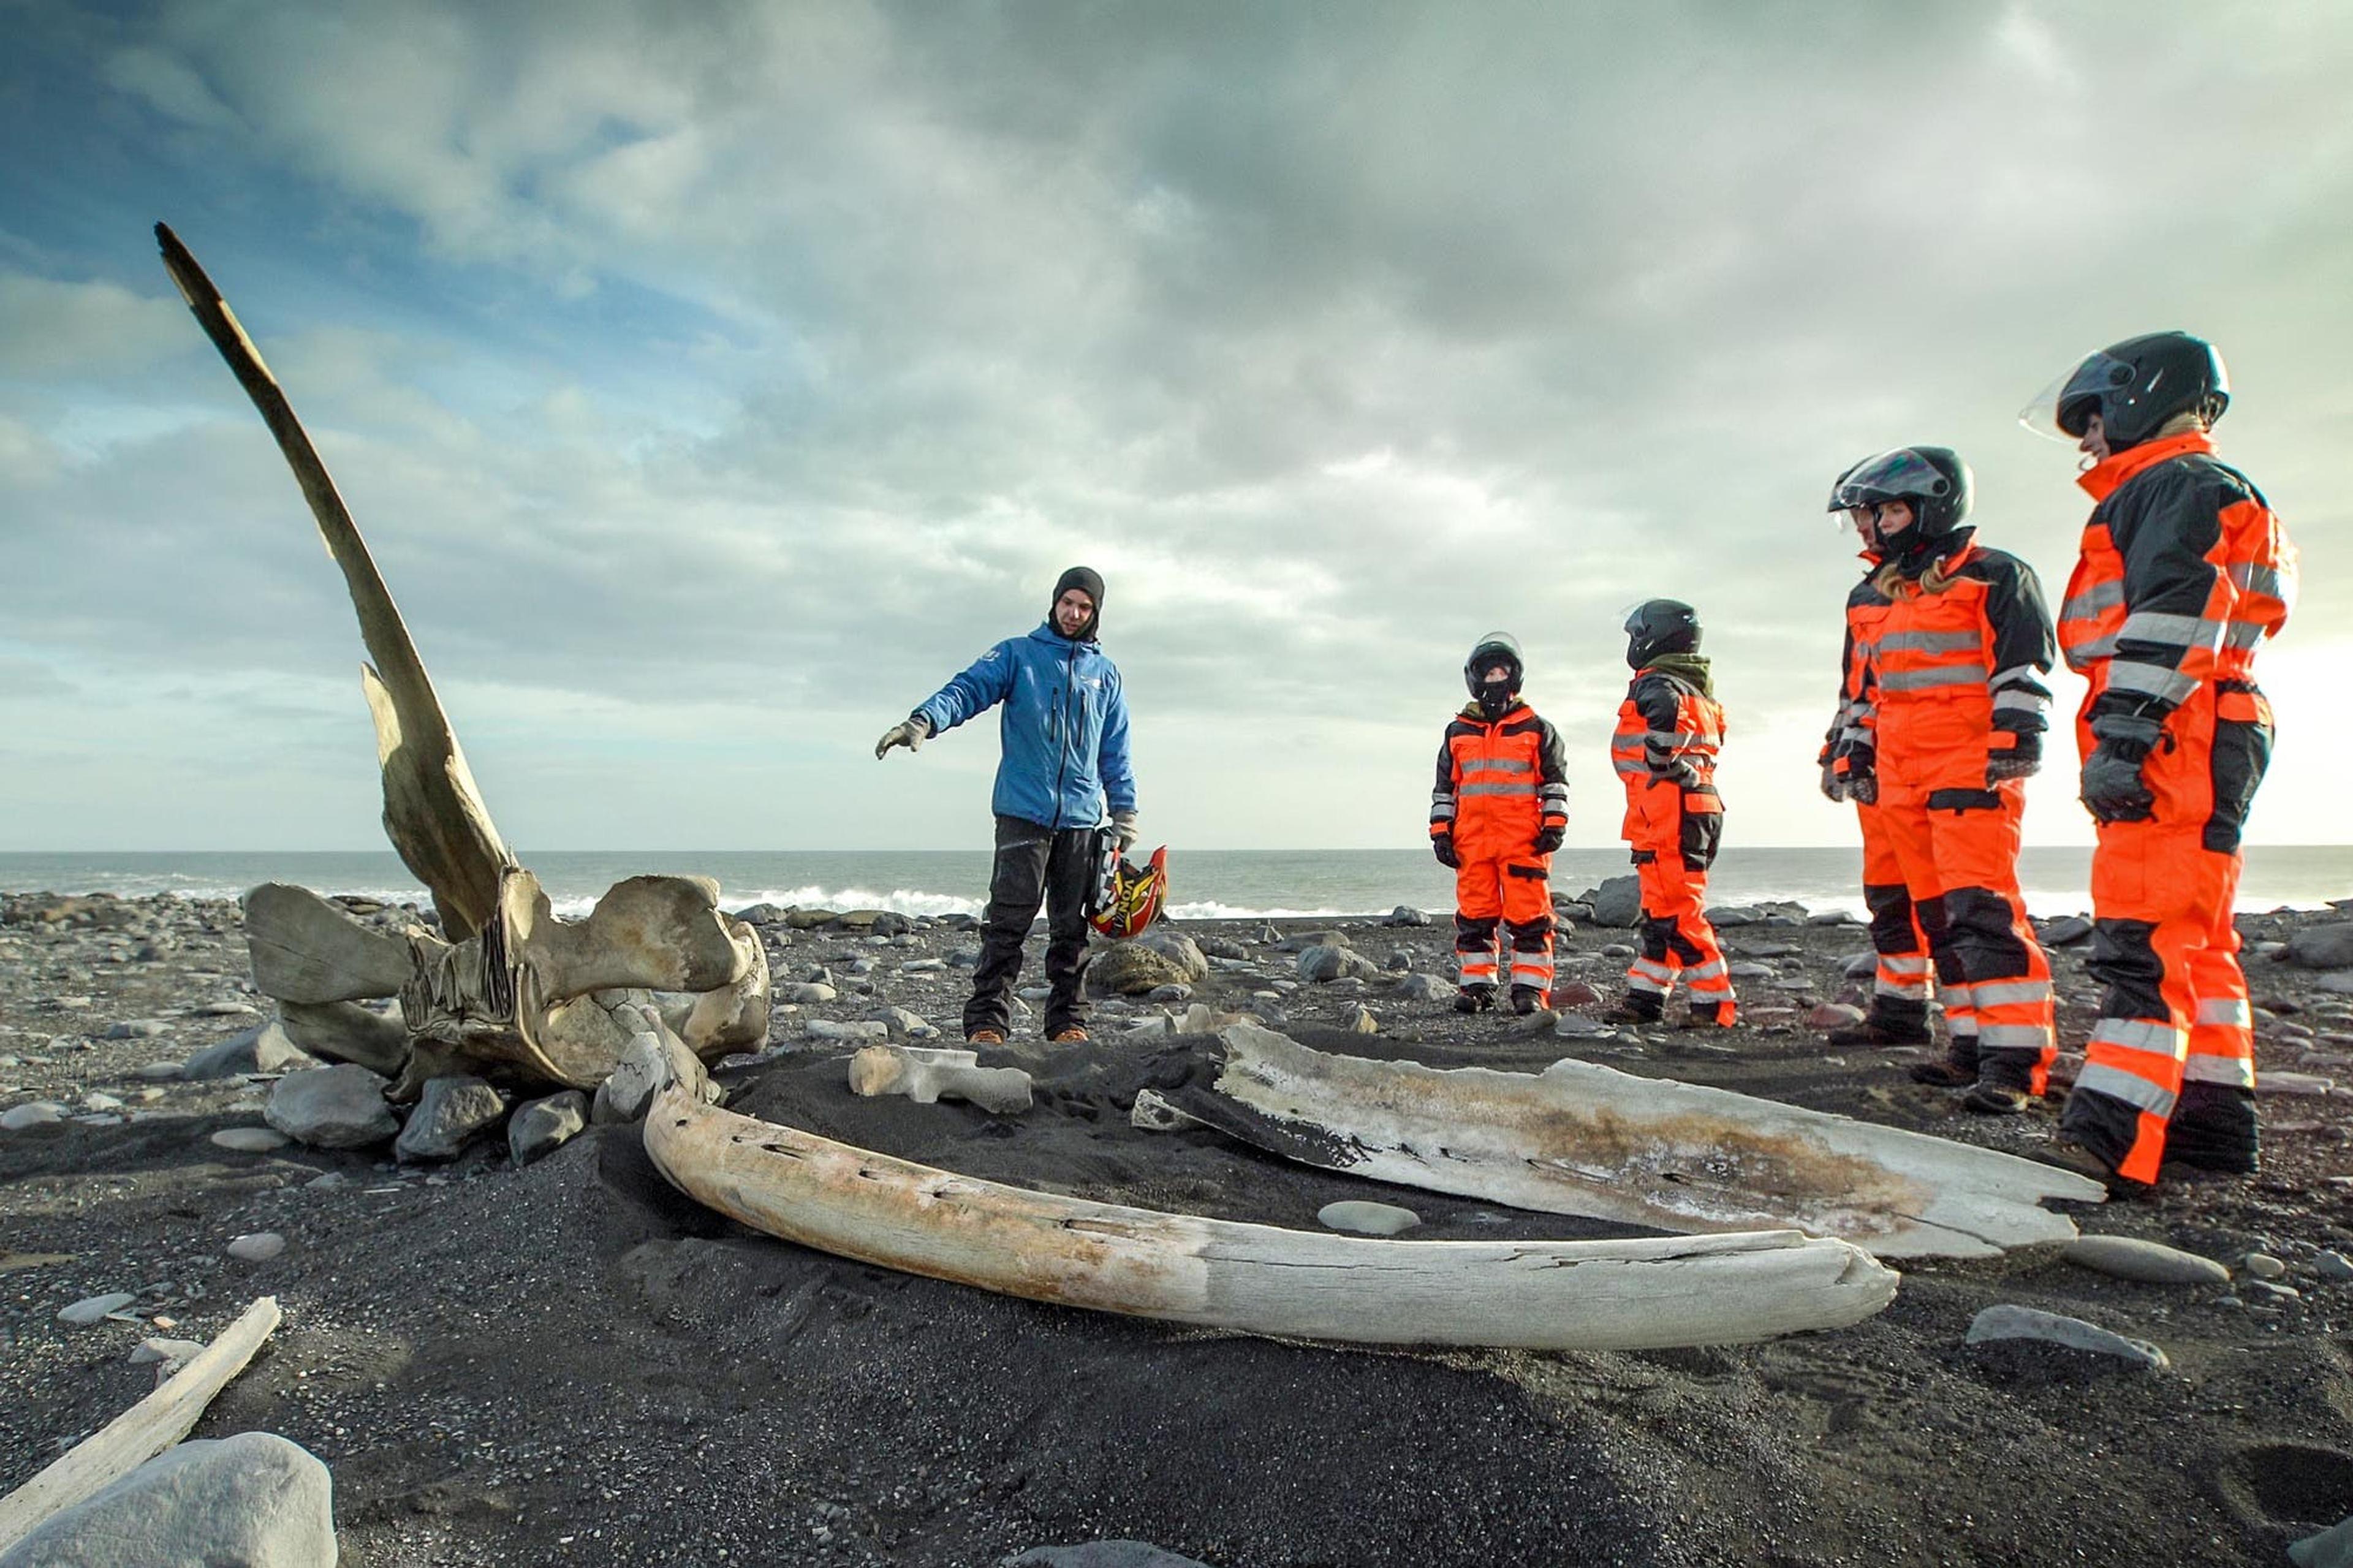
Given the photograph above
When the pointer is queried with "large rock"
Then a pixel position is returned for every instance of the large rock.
(264, 1049)
(331, 1108)
(1159, 957)
(2327, 946)
(1618, 902)
(254, 1500)
(545, 1125)
(1327, 963)
(451, 1112)
(643, 1068)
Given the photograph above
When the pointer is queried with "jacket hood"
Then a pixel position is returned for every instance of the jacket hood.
(1690, 666)
(1088, 581)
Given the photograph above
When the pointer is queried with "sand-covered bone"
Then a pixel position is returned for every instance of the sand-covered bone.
(929, 1076)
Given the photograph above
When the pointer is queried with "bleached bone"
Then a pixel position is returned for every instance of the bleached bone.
(346, 1032)
(1577, 1295)
(1585, 1140)
(140, 1433)
(433, 812)
(307, 950)
(894, 1070)
(734, 1017)
(1151, 1113)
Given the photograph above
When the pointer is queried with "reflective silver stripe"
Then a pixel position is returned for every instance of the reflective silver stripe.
(2003, 993)
(1644, 983)
(2250, 577)
(1553, 792)
(1705, 972)
(2230, 1010)
(1652, 967)
(1964, 1027)
(1526, 789)
(1634, 770)
(2236, 1071)
(1953, 994)
(1498, 765)
(2103, 646)
(2245, 634)
(2137, 1034)
(2180, 631)
(1938, 676)
(2013, 1036)
(1927, 642)
(2118, 1084)
(1903, 962)
(2166, 685)
(2093, 600)
(1910, 990)
(2014, 700)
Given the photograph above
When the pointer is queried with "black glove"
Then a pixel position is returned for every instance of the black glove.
(1833, 781)
(2113, 789)
(1549, 839)
(1442, 846)
(1862, 788)
(2022, 758)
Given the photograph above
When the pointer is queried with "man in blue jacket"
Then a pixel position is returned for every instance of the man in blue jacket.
(1065, 765)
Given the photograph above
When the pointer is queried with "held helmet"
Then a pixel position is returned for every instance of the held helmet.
(1124, 899)
(1933, 478)
(2135, 386)
(1660, 626)
(1494, 695)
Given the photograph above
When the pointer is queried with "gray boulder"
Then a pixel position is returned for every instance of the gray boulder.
(2327, 946)
(451, 1112)
(1158, 957)
(2331, 1548)
(1618, 902)
(254, 1500)
(263, 1048)
(1405, 915)
(1327, 963)
(543, 1126)
(1102, 1554)
(642, 1069)
(331, 1108)
(1425, 988)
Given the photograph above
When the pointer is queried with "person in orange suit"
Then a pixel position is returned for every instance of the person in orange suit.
(1952, 680)
(1670, 729)
(2184, 572)
(1499, 811)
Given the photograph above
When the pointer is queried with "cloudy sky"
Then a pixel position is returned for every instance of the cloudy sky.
(710, 391)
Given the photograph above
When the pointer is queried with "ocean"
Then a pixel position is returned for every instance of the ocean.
(1203, 883)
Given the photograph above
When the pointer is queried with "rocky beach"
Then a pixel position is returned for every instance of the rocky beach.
(509, 1340)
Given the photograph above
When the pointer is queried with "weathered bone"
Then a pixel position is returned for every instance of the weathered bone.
(1577, 1295)
(307, 950)
(1585, 1140)
(924, 1079)
(432, 811)
(734, 1017)
(346, 1032)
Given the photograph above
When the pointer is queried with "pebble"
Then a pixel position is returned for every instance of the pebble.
(1834, 1016)
(2267, 1291)
(156, 1072)
(1362, 1022)
(101, 1102)
(2294, 1083)
(257, 1246)
(2009, 1321)
(2148, 1262)
(810, 994)
(1170, 992)
(1366, 1218)
(171, 1353)
(139, 1029)
(2333, 1265)
(2262, 1266)
(1577, 1026)
(94, 1308)
(252, 1139)
(34, 1113)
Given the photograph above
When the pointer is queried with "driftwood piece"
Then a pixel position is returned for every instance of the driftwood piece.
(1585, 1140)
(925, 1078)
(1589, 1295)
(140, 1433)
(433, 812)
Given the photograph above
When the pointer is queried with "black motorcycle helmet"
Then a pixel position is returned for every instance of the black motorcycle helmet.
(2135, 386)
(1660, 626)
(1495, 697)
(1933, 478)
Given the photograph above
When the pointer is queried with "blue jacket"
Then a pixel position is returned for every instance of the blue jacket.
(1064, 727)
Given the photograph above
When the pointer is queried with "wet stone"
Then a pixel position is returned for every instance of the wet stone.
(92, 1310)
(2148, 1262)
(1366, 1218)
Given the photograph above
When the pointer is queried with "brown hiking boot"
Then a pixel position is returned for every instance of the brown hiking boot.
(1945, 1074)
(2069, 1155)
(1995, 1099)
(1074, 1036)
(985, 1037)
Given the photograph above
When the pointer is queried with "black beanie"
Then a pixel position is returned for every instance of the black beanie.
(1088, 581)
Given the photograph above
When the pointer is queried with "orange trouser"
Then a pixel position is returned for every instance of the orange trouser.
(1905, 976)
(2171, 1062)
(1512, 893)
(1677, 942)
(1960, 857)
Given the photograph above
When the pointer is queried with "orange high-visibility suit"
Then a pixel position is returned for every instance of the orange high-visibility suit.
(1670, 729)
(2184, 571)
(1953, 680)
(1500, 784)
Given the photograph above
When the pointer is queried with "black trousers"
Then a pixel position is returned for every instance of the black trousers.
(1035, 865)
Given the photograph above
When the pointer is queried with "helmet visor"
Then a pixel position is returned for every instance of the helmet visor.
(1900, 475)
(2061, 411)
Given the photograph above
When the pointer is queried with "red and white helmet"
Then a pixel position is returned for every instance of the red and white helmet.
(1127, 898)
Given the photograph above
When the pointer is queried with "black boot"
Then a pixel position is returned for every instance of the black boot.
(2005, 1084)
(1881, 1027)
(1527, 999)
(1474, 999)
(1958, 1071)
(1638, 1007)
(1704, 1015)
(2213, 1130)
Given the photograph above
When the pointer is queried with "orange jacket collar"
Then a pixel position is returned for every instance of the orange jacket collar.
(1470, 711)
(2104, 479)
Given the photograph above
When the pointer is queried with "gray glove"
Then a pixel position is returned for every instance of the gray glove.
(1862, 788)
(2113, 788)
(912, 733)
(2021, 759)
(1834, 781)
(1122, 824)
